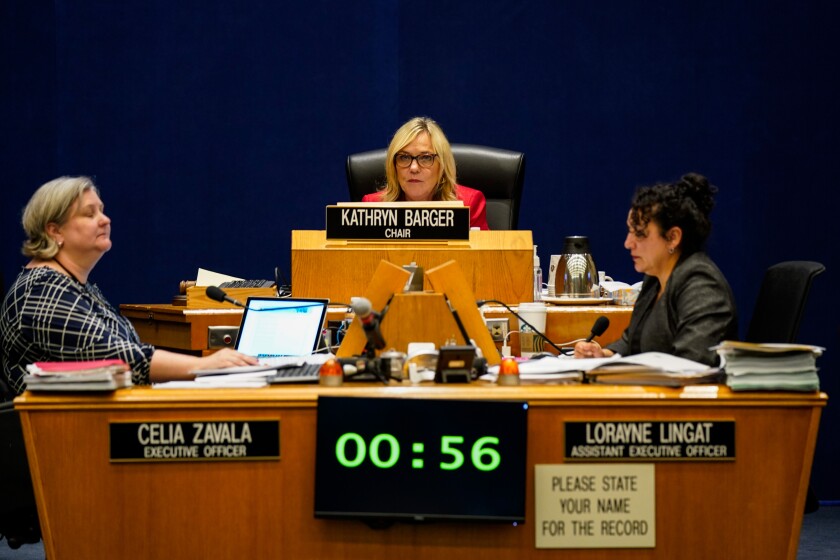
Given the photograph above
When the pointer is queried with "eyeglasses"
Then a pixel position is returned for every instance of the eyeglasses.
(423, 160)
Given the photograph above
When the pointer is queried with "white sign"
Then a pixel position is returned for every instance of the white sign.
(595, 506)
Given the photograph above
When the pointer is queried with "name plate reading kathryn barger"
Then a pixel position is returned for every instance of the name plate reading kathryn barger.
(195, 440)
(399, 221)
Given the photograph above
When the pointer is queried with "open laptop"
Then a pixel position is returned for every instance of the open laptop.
(277, 330)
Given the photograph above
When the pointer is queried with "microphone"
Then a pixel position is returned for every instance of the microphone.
(601, 325)
(217, 294)
(370, 321)
(483, 302)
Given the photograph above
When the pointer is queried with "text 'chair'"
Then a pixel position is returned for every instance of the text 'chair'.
(499, 174)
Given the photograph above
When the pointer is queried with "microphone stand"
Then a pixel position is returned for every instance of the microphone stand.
(481, 302)
(373, 365)
(464, 333)
(479, 362)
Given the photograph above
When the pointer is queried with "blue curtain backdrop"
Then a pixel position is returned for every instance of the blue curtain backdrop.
(215, 128)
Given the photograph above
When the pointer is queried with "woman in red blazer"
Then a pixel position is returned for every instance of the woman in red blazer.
(419, 166)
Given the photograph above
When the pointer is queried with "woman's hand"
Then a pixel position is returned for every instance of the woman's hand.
(591, 350)
(171, 366)
(227, 357)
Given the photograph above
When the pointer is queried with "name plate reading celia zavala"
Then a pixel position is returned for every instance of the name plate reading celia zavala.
(399, 221)
(195, 440)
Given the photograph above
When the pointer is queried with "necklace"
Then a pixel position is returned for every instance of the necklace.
(73, 276)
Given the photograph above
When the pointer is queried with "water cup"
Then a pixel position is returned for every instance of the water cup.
(531, 343)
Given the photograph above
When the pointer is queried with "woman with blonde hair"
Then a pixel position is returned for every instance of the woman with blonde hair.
(419, 166)
(53, 312)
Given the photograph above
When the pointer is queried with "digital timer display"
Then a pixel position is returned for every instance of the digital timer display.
(484, 457)
(420, 459)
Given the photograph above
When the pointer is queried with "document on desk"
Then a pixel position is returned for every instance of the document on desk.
(654, 368)
(233, 380)
(266, 369)
(236, 376)
(557, 369)
(648, 368)
(209, 278)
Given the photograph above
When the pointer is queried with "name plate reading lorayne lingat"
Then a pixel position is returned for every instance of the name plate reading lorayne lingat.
(675, 440)
(399, 221)
(595, 506)
(195, 440)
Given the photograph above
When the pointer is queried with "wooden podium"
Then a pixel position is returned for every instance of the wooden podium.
(91, 508)
(497, 264)
(423, 316)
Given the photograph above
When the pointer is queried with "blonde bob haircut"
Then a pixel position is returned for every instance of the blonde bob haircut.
(405, 135)
(50, 204)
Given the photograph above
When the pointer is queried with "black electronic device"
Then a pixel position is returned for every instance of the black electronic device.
(390, 459)
(295, 374)
(247, 284)
(454, 364)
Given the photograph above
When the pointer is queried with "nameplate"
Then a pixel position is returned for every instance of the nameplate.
(399, 222)
(676, 440)
(195, 440)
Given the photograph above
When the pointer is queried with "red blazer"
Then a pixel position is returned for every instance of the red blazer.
(470, 197)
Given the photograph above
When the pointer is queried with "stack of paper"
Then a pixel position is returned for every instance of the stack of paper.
(229, 377)
(648, 368)
(558, 369)
(770, 367)
(94, 375)
(653, 368)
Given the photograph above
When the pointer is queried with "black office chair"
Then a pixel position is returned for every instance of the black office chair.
(778, 312)
(18, 512)
(781, 301)
(497, 173)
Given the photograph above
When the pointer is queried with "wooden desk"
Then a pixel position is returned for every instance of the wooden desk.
(185, 330)
(90, 508)
(178, 328)
(497, 264)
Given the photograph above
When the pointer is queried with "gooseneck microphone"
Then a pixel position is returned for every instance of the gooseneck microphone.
(600, 326)
(217, 294)
(482, 302)
(370, 321)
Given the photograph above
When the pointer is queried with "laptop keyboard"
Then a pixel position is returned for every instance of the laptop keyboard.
(295, 373)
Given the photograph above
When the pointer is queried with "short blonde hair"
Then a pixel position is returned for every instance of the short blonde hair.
(50, 204)
(405, 135)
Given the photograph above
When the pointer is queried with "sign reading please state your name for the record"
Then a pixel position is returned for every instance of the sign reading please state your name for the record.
(595, 506)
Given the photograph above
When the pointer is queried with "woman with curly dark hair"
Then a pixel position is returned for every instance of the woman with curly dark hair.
(685, 305)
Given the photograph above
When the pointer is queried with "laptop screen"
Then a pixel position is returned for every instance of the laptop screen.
(275, 327)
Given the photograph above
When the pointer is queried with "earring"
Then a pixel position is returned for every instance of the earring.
(670, 250)
(60, 244)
